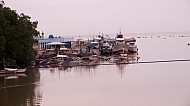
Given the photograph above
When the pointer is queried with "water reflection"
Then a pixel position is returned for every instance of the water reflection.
(79, 69)
(120, 62)
(20, 90)
(113, 84)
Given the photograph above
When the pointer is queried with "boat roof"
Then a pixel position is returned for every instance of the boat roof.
(11, 69)
(64, 49)
(62, 56)
(130, 40)
(120, 39)
(98, 38)
(106, 44)
(93, 42)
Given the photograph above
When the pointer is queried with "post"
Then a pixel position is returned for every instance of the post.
(3, 63)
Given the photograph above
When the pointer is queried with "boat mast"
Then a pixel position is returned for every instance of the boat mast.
(119, 30)
(79, 42)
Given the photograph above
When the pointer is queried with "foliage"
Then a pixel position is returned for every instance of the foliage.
(10, 62)
(16, 36)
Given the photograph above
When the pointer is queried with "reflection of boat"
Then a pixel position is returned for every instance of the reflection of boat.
(119, 59)
(132, 57)
(13, 76)
(120, 45)
(124, 58)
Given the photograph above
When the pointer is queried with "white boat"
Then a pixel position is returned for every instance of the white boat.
(132, 47)
(21, 70)
(12, 69)
(106, 48)
(120, 45)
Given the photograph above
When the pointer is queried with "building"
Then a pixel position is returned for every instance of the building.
(43, 42)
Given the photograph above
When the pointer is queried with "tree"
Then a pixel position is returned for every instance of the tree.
(16, 36)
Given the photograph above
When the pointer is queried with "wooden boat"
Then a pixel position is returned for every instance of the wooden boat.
(12, 70)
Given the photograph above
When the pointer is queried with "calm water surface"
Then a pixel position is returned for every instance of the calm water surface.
(155, 84)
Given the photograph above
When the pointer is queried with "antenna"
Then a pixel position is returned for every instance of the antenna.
(42, 34)
(120, 30)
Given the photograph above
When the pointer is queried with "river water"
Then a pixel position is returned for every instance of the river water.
(143, 84)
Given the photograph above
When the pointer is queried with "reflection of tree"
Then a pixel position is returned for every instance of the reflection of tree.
(25, 94)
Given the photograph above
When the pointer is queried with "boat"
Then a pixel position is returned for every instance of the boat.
(59, 59)
(130, 40)
(120, 46)
(132, 47)
(106, 48)
(41, 61)
(12, 70)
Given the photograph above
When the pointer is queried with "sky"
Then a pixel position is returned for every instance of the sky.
(91, 17)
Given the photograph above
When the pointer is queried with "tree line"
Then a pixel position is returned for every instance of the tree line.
(16, 37)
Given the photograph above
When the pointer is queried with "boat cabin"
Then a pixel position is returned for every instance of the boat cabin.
(120, 39)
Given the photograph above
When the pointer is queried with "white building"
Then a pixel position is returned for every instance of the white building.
(43, 42)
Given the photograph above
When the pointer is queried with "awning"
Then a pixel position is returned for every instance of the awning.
(55, 43)
(63, 49)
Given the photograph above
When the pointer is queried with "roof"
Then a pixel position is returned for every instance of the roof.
(62, 56)
(55, 43)
(47, 40)
(93, 42)
(97, 38)
(120, 39)
(64, 49)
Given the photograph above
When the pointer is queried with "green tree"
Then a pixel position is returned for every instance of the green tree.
(16, 36)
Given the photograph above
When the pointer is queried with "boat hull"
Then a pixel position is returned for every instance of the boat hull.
(132, 50)
(106, 51)
(12, 72)
(120, 48)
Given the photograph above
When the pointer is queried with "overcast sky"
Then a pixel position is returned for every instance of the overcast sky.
(74, 17)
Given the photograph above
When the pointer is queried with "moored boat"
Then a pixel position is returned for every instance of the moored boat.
(12, 70)
(106, 48)
(120, 45)
(132, 47)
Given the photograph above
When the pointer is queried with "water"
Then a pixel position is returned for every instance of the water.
(154, 84)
